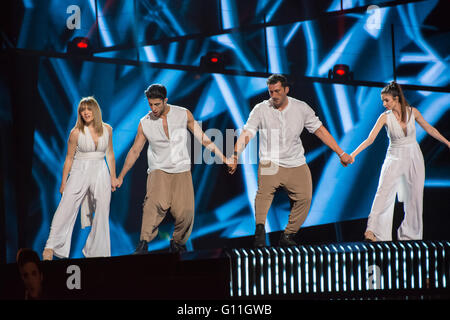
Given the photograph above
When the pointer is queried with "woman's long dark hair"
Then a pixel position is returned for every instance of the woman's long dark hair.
(395, 90)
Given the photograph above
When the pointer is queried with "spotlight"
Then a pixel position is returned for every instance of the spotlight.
(79, 45)
(212, 62)
(340, 72)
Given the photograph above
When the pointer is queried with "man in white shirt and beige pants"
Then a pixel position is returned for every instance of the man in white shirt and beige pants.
(280, 121)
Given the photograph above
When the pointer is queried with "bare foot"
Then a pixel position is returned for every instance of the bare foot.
(47, 254)
(369, 236)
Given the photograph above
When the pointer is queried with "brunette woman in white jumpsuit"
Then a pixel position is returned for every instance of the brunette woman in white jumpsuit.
(88, 185)
(403, 171)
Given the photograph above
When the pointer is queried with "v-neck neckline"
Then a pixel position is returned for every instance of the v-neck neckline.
(92, 138)
(167, 135)
(405, 134)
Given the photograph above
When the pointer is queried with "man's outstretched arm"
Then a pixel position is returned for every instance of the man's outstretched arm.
(133, 154)
(198, 133)
(241, 143)
(323, 134)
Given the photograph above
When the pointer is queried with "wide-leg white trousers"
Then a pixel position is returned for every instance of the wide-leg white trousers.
(402, 175)
(88, 178)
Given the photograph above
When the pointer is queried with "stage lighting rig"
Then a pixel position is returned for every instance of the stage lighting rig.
(79, 46)
(340, 72)
(212, 62)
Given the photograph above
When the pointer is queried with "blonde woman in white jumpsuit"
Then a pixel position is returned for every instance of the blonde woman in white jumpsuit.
(88, 185)
(403, 171)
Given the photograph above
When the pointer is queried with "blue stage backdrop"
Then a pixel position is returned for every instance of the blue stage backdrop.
(304, 50)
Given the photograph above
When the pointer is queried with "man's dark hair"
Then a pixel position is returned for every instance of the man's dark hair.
(278, 78)
(25, 255)
(156, 91)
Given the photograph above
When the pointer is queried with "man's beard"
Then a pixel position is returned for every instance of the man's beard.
(276, 106)
(163, 109)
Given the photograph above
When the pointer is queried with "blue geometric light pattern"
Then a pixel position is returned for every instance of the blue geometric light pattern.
(225, 101)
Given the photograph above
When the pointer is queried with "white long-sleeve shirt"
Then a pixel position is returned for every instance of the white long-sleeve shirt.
(279, 131)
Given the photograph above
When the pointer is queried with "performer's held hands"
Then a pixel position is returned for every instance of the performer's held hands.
(114, 183)
(119, 182)
(231, 162)
(353, 157)
(346, 159)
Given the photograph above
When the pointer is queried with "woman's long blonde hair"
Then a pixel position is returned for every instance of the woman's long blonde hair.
(92, 105)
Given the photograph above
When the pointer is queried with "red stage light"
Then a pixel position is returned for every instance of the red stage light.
(212, 62)
(82, 45)
(340, 72)
(79, 46)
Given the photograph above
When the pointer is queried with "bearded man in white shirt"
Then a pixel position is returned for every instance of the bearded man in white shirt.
(280, 121)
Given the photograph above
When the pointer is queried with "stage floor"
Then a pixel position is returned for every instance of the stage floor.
(346, 270)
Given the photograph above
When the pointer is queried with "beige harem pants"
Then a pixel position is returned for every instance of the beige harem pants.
(298, 184)
(168, 191)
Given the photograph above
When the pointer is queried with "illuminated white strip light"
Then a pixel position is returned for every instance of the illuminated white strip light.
(253, 265)
(284, 267)
(291, 270)
(397, 279)
(359, 273)
(352, 277)
(238, 273)
(277, 272)
(366, 265)
(436, 276)
(427, 266)
(445, 266)
(389, 266)
(321, 271)
(374, 264)
(269, 273)
(411, 264)
(246, 273)
(405, 281)
(306, 268)
(344, 271)
(261, 275)
(328, 268)
(419, 265)
(382, 279)
(299, 274)
(314, 264)
(336, 267)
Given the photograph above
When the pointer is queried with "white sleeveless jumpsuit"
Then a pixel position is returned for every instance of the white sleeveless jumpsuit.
(88, 186)
(402, 174)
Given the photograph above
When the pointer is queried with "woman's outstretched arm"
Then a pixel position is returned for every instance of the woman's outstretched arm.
(432, 131)
(372, 135)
